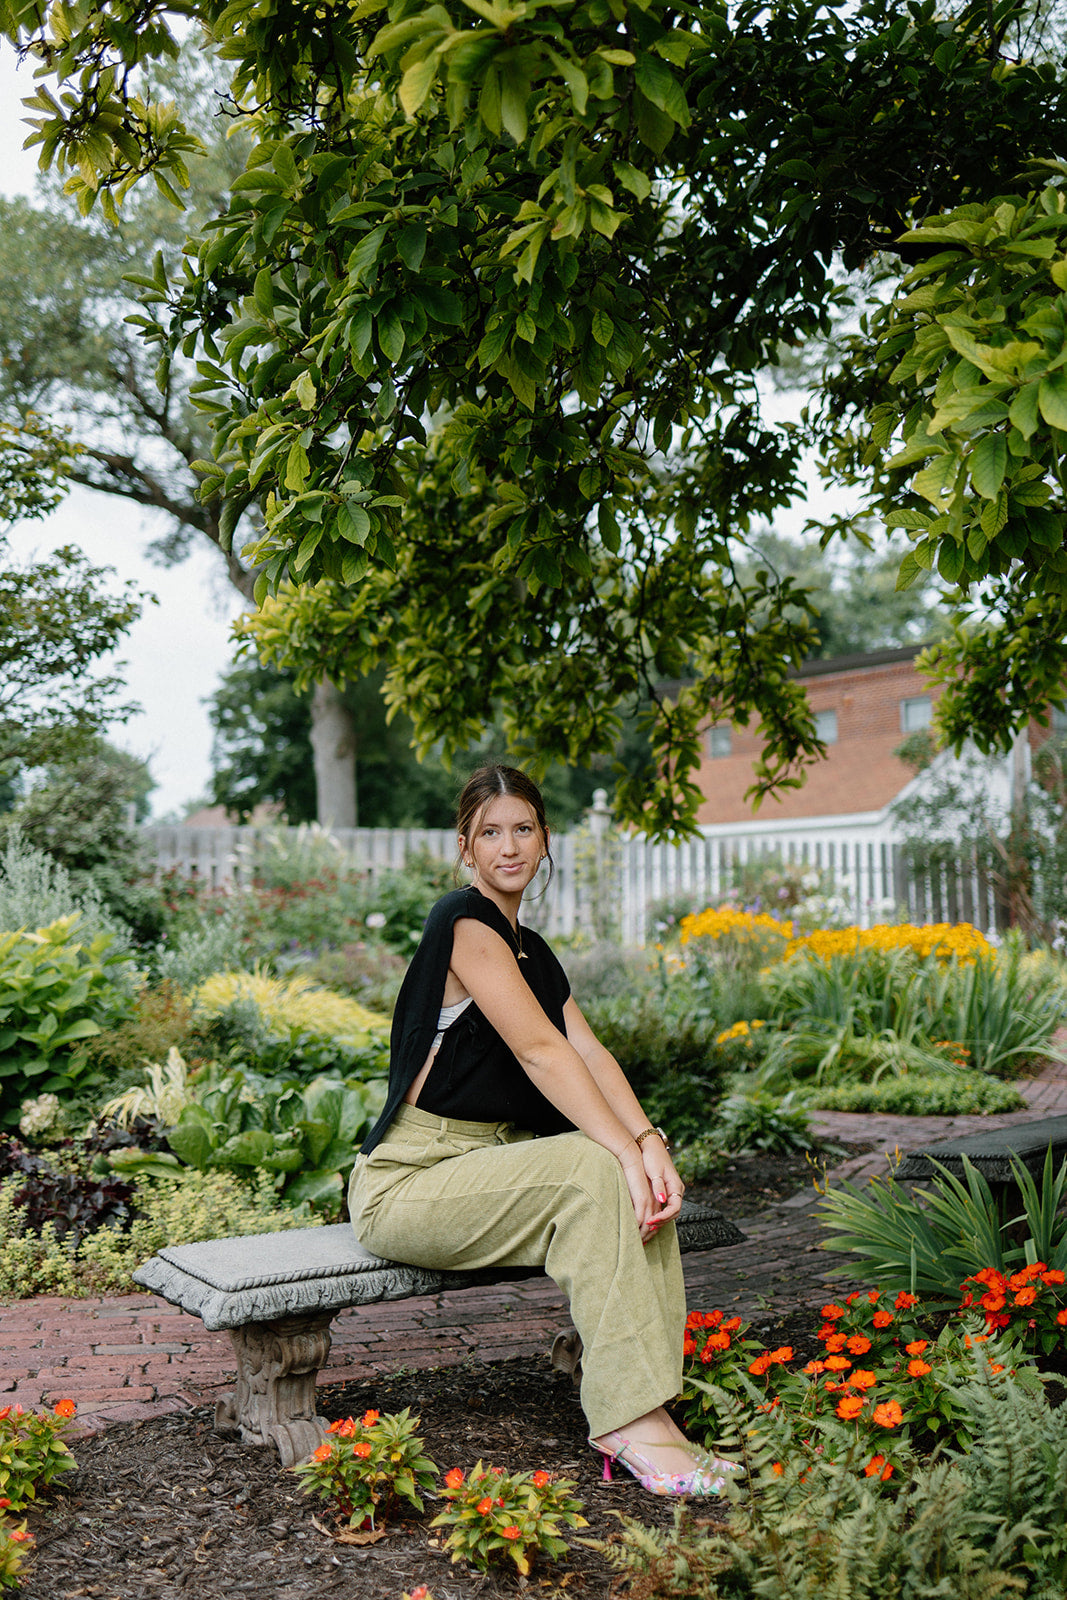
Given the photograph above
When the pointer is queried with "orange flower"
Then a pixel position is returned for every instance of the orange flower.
(888, 1414)
(1061, 1318)
(919, 1369)
(540, 1478)
(454, 1478)
(882, 1319)
(916, 1347)
(324, 1452)
(760, 1365)
(905, 1301)
(815, 1367)
(20, 1536)
(878, 1467)
(785, 1353)
(689, 1346)
(831, 1311)
(995, 1366)
(850, 1407)
(862, 1379)
(485, 1506)
(777, 1468)
(874, 1295)
(992, 1301)
(858, 1345)
(978, 1338)
(511, 1533)
(362, 1448)
(369, 1418)
(1026, 1297)
(731, 1325)
(835, 1343)
(64, 1408)
(837, 1364)
(1052, 1276)
(718, 1341)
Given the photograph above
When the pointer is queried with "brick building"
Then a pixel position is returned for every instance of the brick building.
(864, 707)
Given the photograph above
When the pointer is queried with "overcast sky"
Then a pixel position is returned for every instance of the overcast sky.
(176, 652)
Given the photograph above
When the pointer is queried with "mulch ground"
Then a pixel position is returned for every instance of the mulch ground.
(165, 1507)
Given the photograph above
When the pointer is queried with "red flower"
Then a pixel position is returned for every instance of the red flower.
(1052, 1276)
(689, 1346)
(20, 1536)
(784, 1353)
(718, 1341)
(540, 1478)
(835, 1343)
(832, 1311)
(369, 1418)
(888, 1414)
(323, 1453)
(874, 1295)
(992, 1301)
(485, 1506)
(919, 1369)
(815, 1367)
(850, 1407)
(858, 1345)
(511, 1533)
(777, 1468)
(1061, 1318)
(760, 1365)
(905, 1301)
(454, 1478)
(882, 1319)
(361, 1448)
(734, 1323)
(64, 1408)
(1026, 1297)
(916, 1347)
(878, 1467)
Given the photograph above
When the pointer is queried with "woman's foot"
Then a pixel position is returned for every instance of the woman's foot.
(662, 1459)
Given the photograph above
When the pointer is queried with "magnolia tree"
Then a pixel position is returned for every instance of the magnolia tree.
(482, 325)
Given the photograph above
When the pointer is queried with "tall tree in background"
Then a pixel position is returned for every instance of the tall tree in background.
(573, 237)
(68, 354)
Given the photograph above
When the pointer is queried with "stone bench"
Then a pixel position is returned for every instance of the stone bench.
(991, 1154)
(277, 1293)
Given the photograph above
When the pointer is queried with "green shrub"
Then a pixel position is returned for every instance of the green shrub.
(669, 1057)
(933, 1094)
(761, 1121)
(370, 972)
(204, 1205)
(36, 891)
(160, 1020)
(607, 971)
(54, 993)
(928, 1244)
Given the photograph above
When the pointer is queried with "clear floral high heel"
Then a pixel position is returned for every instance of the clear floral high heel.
(708, 1475)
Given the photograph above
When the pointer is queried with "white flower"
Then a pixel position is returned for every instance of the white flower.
(377, 919)
(38, 1114)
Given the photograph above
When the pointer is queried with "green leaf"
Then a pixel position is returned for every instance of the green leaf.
(441, 304)
(1052, 399)
(661, 88)
(263, 292)
(988, 463)
(318, 1188)
(296, 467)
(353, 523)
(1023, 412)
(411, 245)
(932, 481)
(603, 328)
(415, 84)
(950, 560)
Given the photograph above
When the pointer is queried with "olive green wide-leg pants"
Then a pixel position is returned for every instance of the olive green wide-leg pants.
(441, 1193)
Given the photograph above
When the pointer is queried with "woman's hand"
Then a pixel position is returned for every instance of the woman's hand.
(631, 1160)
(664, 1184)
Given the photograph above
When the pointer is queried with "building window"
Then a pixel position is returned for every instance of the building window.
(826, 726)
(916, 713)
(719, 741)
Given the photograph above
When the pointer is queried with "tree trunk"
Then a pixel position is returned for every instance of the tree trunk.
(333, 740)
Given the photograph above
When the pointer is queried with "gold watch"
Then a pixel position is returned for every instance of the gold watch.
(639, 1138)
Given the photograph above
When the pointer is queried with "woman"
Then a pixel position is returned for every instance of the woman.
(510, 1137)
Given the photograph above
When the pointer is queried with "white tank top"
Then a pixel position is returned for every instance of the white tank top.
(446, 1018)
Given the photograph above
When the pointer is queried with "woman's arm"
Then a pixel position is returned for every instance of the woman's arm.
(614, 1086)
(486, 967)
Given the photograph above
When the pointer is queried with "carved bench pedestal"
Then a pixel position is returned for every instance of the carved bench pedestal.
(274, 1399)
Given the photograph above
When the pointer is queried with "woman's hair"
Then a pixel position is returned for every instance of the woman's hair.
(487, 784)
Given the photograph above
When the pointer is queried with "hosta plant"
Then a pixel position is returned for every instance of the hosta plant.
(495, 1516)
(367, 1466)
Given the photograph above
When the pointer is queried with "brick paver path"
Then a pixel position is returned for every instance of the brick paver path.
(123, 1357)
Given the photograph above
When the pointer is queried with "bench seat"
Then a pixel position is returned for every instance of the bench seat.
(990, 1153)
(277, 1293)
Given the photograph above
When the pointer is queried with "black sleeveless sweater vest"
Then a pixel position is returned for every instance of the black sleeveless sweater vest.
(474, 1077)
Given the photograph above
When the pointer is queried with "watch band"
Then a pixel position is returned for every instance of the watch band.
(639, 1138)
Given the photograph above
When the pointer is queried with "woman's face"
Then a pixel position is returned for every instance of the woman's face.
(506, 846)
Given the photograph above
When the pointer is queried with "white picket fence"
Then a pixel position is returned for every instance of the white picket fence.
(609, 884)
